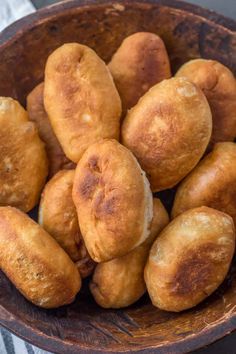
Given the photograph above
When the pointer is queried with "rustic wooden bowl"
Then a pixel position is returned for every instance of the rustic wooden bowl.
(188, 32)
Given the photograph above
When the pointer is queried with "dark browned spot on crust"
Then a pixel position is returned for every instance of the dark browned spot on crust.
(70, 89)
(108, 206)
(151, 156)
(153, 57)
(88, 185)
(197, 269)
(93, 163)
(104, 204)
(63, 67)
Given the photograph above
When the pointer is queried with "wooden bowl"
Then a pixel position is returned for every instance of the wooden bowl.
(83, 327)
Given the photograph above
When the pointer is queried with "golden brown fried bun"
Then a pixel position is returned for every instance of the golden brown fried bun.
(34, 261)
(168, 131)
(80, 98)
(190, 259)
(57, 215)
(23, 162)
(113, 200)
(219, 86)
(120, 282)
(139, 63)
(212, 183)
(37, 114)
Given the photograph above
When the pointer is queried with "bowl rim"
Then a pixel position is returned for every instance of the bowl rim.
(17, 325)
(39, 339)
(17, 28)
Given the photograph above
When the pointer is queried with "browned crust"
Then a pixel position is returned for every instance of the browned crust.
(211, 183)
(57, 215)
(198, 269)
(83, 114)
(34, 261)
(168, 131)
(110, 197)
(23, 163)
(219, 86)
(190, 258)
(120, 282)
(37, 114)
(139, 63)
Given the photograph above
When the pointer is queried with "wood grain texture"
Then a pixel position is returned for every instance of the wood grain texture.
(226, 8)
(189, 32)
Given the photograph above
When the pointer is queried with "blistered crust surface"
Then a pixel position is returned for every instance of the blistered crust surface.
(80, 98)
(120, 282)
(219, 85)
(168, 131)
(23, 163)
(34, 261)
(38, 115)
(139, 63)
(190, 258)
(211, 183)
(111, 200)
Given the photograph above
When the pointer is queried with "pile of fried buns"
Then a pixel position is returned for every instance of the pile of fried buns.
(93, 145)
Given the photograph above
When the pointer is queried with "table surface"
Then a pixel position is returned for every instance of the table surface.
(228, 8)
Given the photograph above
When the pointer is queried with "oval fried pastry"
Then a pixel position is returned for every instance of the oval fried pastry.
(38, 115)
(113, 200)
(168, 131)
(80, 98)
(23, 163)
(139, 63)
(120, 282)
(34, 261)
(219, 86)
(57, 215)
(190, 259)
(212, 183)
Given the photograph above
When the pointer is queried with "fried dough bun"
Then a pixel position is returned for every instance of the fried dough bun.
(37, 114)
(190, 259)
(120, 282)
(139, 63)
(80, 99)
(34, 262)
(113, 200)
(57, 215)
(168, 131)
(212, 183)
(219, 86)
(23, 163)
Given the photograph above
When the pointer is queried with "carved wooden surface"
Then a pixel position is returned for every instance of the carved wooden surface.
(189, 32)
